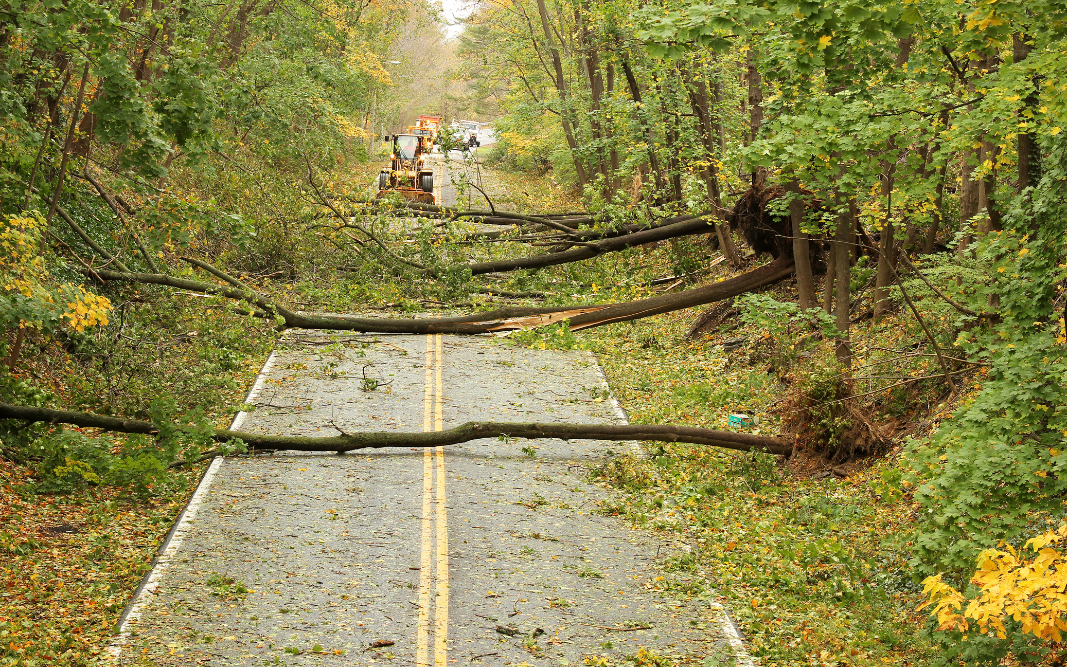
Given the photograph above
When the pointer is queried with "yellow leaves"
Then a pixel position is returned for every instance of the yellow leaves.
(1055, 130)
(947, 602)
(824, 41)
(1010, 585)
(87, 311)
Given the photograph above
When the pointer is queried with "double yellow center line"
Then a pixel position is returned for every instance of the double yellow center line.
(434, 523)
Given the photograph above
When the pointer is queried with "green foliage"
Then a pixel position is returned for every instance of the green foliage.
(758, 469)
(30, 297)
(225, 586)
(819, 413)
(779, 322)
(1002, 458)
(552, 337)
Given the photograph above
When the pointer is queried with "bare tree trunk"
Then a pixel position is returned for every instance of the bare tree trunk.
(968, 187)
(560, 81)
(755, 104)
(1028, 155)
(75, 112)
(987, 189)
(501, 319)
(842, 235)
(674, 173)
(615, 181)
(939, 196)
(697, 92)
(590, 60)
(828, 283)
(347, 442)
(886, 245)
(801, 248)
(642, 119)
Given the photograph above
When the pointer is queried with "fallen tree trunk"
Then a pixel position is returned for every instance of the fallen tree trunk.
(557, 221)
(500, 319)
(776, 271)
(586, 234)
(347, 442)
(608, 242)
(697, 225)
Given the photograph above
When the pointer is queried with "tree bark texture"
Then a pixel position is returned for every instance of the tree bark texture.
(1028, 156)
(801, 245)
(346, 442)
(886, 245)
(842, 236)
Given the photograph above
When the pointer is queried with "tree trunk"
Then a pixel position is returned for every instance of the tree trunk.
(67, 144)
(697, 92)
(755, 105)
(590, 60)
(968, 186)
(886, 245)
(1028, 155)
(828, 283)
(698, 225)
(643, 122)
(347, 442)
(501, 319)
(989, 222)
(801, 248)
(842, 236)
(560, 81)
(939, 196)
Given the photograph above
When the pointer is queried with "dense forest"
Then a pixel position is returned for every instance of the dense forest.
(848, 219)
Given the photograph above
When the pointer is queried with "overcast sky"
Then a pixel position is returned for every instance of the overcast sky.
(455, 10)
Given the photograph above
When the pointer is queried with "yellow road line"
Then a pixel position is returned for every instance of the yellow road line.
(423, 639)
(441, 601)
(434, 540)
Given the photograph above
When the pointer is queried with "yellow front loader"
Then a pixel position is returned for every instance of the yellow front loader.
(408, 175)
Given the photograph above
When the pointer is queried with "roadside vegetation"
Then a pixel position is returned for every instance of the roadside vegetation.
(845, 221)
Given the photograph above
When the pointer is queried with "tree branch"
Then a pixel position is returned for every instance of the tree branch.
(347, 442)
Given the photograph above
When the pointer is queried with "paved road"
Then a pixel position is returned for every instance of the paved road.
(493, 552)
(451, 174)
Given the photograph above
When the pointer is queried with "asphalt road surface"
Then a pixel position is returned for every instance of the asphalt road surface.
(494, 552)
(452, 175)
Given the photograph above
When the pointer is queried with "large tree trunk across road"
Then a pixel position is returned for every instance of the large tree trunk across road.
(501, 319)
(346, 442)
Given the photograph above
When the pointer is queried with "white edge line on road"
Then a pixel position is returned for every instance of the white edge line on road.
(261, 379)
(733, 635)
(173, 542)
(636, 448)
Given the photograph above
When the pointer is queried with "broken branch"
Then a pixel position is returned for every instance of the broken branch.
(463, 433)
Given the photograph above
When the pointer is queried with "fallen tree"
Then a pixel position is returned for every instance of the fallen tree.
(500, 319)
(689, 226)
(347, 442)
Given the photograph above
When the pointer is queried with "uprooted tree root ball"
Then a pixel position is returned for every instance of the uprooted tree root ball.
(827, 420)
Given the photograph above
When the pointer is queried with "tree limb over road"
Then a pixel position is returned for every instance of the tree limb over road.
(347, 442)
(500, 319)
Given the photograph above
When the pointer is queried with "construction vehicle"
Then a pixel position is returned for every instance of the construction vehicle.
(408, 175)
(426, 127)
